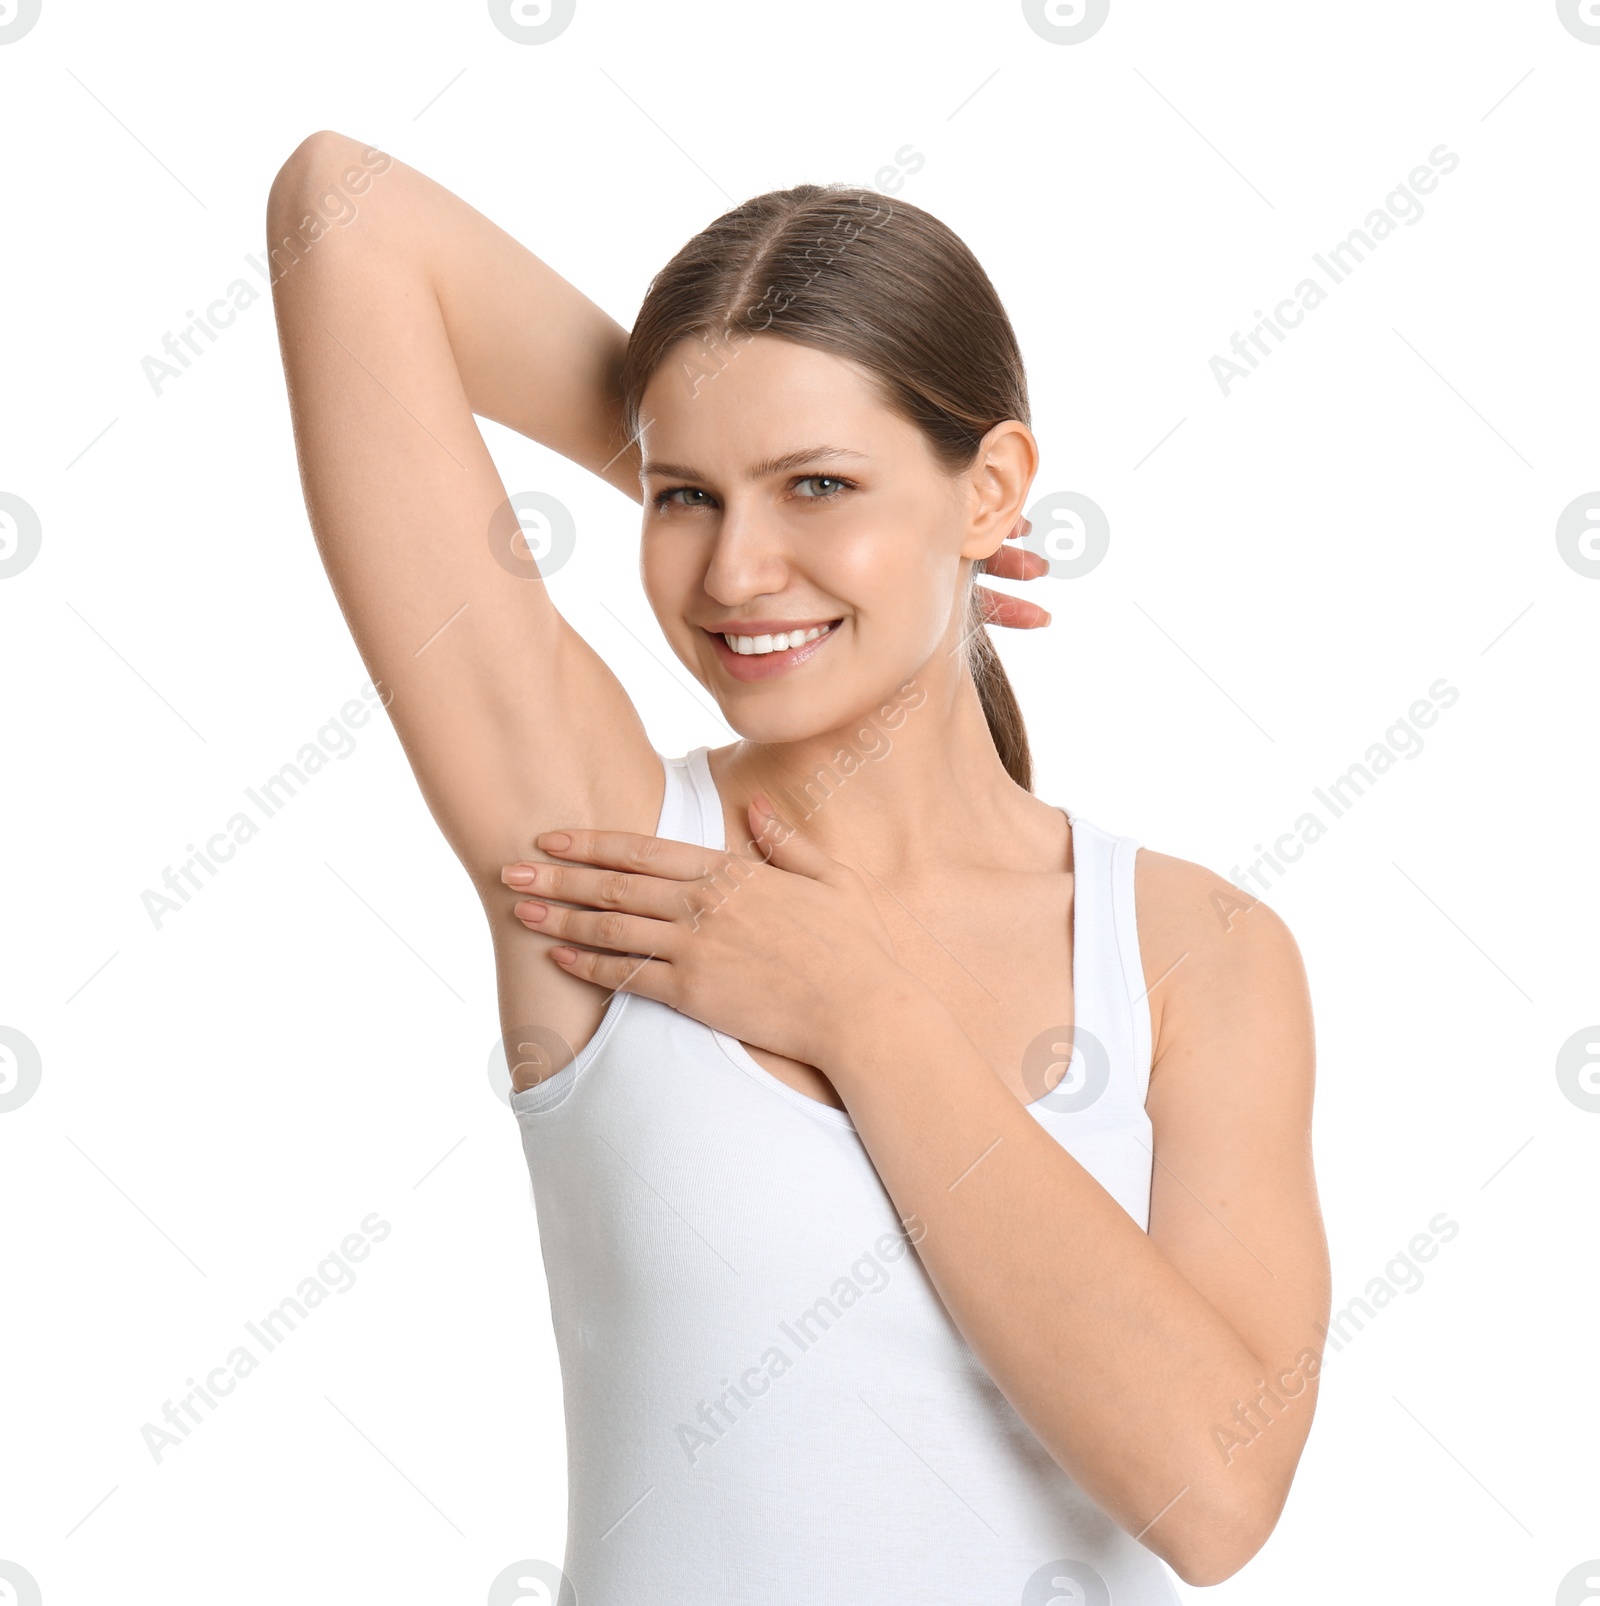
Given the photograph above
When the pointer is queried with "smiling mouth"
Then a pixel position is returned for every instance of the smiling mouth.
(773, 641)
(760, 657)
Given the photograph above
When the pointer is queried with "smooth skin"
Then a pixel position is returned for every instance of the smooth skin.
(897, 950)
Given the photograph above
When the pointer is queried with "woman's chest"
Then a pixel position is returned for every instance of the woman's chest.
(997, 952)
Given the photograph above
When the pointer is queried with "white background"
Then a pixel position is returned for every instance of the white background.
(223, 1099)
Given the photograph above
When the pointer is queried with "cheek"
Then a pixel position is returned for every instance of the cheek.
(667, 571)
(894, 568)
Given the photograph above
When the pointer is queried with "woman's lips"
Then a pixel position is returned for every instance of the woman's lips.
(766, 665)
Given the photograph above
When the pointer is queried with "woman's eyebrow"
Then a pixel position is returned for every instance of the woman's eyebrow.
(756, 471)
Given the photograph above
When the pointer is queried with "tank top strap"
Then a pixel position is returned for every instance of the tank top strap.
(1109, 998)
(700, 805)
(690, 811)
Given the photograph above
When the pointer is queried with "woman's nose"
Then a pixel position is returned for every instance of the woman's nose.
(749, 559)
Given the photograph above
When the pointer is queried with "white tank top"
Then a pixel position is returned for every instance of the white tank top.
(766, 1401)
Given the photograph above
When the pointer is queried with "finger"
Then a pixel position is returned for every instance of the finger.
(1016, 563)
(787, 846)
(595, 888)
(628, 850)
(649, 978)
(609, 929)
(1014, 613)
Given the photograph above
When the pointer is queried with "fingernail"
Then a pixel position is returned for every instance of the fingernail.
(517, 876)
(554, 841)
(565, 955)
(532, 911)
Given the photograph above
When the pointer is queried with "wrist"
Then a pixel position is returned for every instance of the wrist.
(878, 1007)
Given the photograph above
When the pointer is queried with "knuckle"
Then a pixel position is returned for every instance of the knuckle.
(614, 885)
(643, 852)
(611, 927)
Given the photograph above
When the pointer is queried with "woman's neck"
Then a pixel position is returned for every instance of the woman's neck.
(899, 791)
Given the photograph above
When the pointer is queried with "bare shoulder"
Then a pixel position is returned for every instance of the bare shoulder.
(1213, 954)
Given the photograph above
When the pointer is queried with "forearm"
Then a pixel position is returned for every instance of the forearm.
(532, 351)
(1119, 1366)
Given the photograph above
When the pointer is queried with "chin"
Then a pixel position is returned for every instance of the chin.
(775, 726)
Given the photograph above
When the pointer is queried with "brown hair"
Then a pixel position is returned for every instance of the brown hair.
(889, 287)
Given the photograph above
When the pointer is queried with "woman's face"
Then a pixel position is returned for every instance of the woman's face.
(782, 497)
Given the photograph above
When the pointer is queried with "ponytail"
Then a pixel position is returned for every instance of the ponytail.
(1001, 711)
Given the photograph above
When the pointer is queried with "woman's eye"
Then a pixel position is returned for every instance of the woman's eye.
(665, 497)
(830, 480)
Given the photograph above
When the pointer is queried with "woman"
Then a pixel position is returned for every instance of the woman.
(857, 1295)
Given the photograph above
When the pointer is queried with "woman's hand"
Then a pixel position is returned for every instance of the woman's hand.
(1013, 563)
(781, 947)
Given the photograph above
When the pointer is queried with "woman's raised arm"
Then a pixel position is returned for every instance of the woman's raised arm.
(397, 324)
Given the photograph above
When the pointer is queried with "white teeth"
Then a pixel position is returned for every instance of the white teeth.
(782, 642)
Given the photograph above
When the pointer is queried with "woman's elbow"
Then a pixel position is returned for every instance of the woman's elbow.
(1211, 1546)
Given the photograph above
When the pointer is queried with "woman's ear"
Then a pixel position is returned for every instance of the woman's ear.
(998, 481)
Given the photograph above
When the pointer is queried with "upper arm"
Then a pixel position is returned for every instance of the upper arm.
(1233, 1199)
(511, 722)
